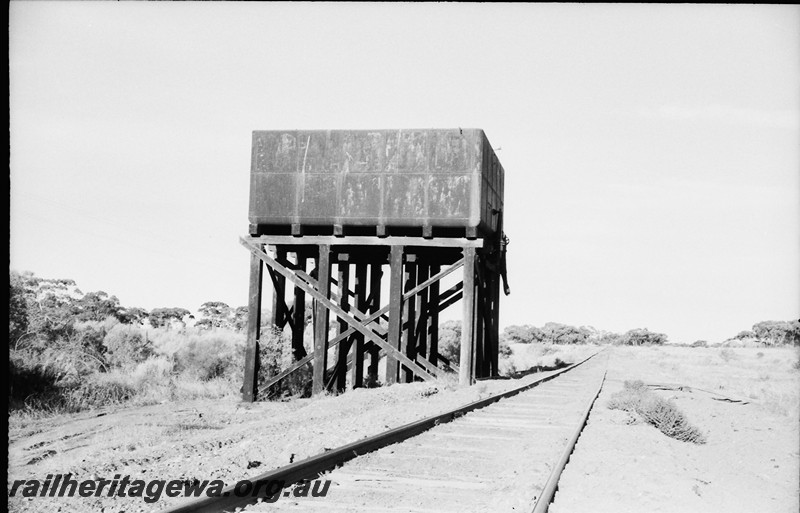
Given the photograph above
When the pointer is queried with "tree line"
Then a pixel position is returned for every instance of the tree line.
(766, 333)
(69, 349)
(43, 310)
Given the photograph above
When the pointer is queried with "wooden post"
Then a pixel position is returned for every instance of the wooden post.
(279, 314)
(408, 340)
(341, 351)
(421, 329)
(395, 309)
(375, 278)
(479, 359)
(251, 358)
(433, 319)
(465, 374)
(494, 294)
(321, 319)
(357, 377)
(299, 315)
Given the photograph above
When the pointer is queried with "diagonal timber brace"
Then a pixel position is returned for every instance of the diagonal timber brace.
(447, 298)
(355, 320)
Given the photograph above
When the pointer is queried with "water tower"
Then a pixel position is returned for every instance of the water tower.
(345, 218)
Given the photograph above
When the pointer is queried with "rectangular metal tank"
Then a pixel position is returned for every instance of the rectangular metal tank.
(429, 178)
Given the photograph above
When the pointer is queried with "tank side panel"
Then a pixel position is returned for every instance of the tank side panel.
(372, 177)
(273, 182)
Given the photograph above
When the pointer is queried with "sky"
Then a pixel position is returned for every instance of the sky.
(651, 152)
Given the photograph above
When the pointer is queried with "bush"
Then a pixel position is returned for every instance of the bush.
(106, 362)
(275, 354)
(45, 385)
(777, 333)
(700, 343)
(522, 334)
(209, 356)
(450, 341)
(32, 384)
(643, 337)
(555, 333)
(126, 346)
(156, 369)
(91, 335)
(656, 411)
(504, 350)
(629, 397)
(100, 390)
(665, 416)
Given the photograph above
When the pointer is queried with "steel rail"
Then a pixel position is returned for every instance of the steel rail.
(551, 486)
(313, 466)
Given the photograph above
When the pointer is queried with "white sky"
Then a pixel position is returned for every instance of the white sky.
(652, 152)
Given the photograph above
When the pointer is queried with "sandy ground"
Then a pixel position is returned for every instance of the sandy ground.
(218, 439)
(751, 461)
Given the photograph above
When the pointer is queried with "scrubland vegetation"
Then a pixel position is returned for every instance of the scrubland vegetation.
(662, 413)
(70, 350)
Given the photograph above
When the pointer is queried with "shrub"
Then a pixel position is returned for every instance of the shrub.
(209, 356)
(629, 397)
(156, 369)
(700, 343)
(776, 333)
(100, 390)
(91, 335)
(32, 383)
(556, 333)
(643, 337)
(727, 355)
(522, 334)
(656, 411)
(450, 341)
(664, 415)
(275, 354)
(126, 346)
(503, 349)
(48, 385)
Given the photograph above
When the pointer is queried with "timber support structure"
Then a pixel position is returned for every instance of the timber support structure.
(351, 332)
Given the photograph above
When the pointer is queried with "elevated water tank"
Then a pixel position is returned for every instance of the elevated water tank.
(445, 181)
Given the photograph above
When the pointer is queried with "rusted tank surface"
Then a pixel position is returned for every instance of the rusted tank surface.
(431, 178)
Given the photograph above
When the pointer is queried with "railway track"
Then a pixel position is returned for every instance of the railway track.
(503, 453)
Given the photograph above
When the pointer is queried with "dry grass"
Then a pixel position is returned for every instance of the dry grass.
(770, 380)
(656, 411)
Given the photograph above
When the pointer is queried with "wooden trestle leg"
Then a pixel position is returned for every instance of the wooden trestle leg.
(251, 359)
